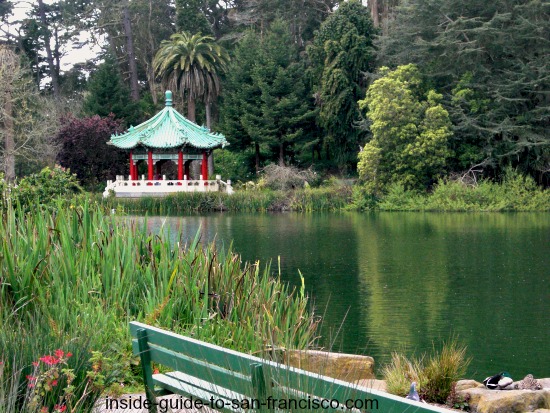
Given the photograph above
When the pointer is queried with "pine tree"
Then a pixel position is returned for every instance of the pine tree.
(190, 17)
(265, 100)
(490, 59)
(340, 54)
(108, 94)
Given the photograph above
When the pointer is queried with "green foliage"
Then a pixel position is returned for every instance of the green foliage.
(517, 192)
(108, 94)
(266, 104)
(67, 273)
(303, 200)
(435, 374)
(489, 59)
(46, 188)
(236, 166)
(341, 52)
(191, 18)
(192, 64)
(410, 131)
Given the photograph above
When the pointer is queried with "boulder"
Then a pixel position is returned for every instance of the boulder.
(374, 384)
(468, 384)
(347, 367)
(483, 400)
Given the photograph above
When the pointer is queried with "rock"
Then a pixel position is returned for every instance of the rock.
(467, 384)
(374, 384)
(483, 400)
(545, 383)
(347, 367)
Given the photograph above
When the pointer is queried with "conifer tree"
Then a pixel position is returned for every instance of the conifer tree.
(490, 59)
(107, 93)
(340, 54)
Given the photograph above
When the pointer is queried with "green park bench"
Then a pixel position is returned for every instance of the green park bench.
(206, 375)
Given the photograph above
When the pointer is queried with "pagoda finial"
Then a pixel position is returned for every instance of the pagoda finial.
(168, 95)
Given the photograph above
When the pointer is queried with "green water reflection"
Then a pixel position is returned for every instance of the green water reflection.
(403, 281)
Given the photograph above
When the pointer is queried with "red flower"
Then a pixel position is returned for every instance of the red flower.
(60, 408)
(69, 354)
(54, 383)
(44, 409)
(35, 363)
(49, 360)
(31, 378)
(59, 353)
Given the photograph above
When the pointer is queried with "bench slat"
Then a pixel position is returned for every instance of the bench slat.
(225, 358)
(198, 368)
(187, 389)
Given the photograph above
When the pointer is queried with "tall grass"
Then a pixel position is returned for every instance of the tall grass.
(73, 279)
(303, 200)
(435, 373)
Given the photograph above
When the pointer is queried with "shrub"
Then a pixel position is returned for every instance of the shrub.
(442, 370)
(46, 187)
(435, 374)
(286, 177)
(400, 373)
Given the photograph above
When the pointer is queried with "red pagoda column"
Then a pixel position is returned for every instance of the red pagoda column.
(204, 166)
(180, 166)
(150, 164)
(132, 177)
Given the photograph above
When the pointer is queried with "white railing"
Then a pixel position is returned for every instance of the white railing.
(159, 187)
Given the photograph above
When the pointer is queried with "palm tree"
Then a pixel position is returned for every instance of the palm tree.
(192, 64)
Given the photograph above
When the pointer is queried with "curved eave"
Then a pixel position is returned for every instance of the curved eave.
(168, 129)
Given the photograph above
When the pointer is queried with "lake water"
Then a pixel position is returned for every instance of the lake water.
(406, 281)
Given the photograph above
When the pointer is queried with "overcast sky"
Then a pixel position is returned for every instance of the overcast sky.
(71, 55)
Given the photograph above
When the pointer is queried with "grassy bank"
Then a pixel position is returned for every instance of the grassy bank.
(72, 279)
(303, 200)
(516, 193)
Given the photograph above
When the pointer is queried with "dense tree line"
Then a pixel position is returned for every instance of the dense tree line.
(404, 91)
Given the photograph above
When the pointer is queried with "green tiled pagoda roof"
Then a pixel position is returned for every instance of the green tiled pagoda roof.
(168, 129)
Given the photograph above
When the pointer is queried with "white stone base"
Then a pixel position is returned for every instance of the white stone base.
(159, 188)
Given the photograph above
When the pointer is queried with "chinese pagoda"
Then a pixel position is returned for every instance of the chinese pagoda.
(167, 137)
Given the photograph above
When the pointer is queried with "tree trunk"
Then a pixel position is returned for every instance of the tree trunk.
(49, 55)
(191, 108)
(208, 110)
(257, 149)
(9, 149)
(281, 154)
(134, 85)
(150, 68)
(374, 12)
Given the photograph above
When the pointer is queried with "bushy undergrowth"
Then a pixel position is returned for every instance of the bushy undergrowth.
(435, 374)
(304, 200)
(515, 193)
(73, 279)
(47, 189)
